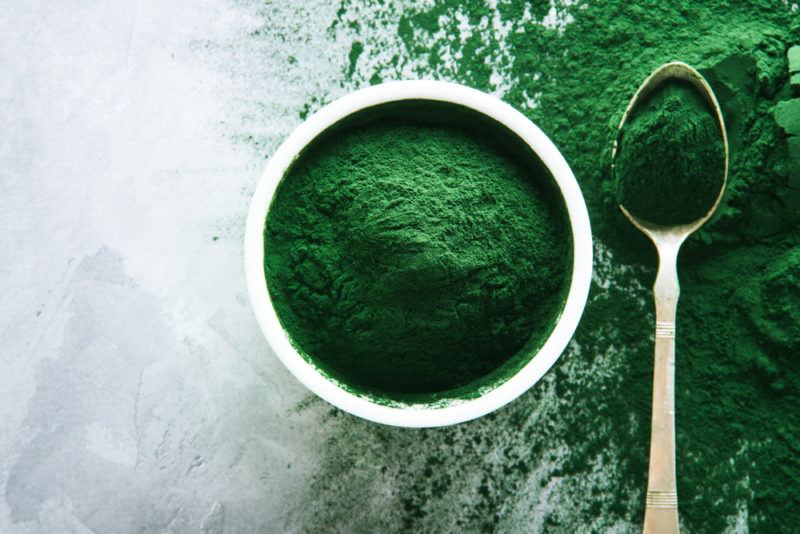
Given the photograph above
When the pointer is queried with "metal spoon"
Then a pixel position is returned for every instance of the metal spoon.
(661, 511)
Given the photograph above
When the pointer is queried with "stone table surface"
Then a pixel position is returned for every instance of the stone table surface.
(137, 392)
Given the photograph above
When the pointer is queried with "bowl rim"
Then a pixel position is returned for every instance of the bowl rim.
(418, 415)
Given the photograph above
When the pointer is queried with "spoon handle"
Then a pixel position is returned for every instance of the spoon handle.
(661, 511)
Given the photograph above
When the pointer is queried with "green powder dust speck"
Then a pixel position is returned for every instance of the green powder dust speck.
(407, 258)
(793, 55)
(671, 162)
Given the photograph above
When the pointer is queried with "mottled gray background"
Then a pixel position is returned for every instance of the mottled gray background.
(136, 391)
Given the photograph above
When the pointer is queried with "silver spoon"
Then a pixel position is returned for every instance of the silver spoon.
(661, 511)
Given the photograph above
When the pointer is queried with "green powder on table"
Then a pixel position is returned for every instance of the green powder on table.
(572, 454)
(670, 166)
(415, 259)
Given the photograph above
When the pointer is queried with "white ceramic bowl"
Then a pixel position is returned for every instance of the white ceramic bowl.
(419, 415)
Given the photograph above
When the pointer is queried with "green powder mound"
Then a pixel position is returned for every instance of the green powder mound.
(671, 162)
(407, 258)
(772, 301)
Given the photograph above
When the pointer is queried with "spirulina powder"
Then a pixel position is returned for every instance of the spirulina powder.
(414, 259)
(571, 455)
(671, 161)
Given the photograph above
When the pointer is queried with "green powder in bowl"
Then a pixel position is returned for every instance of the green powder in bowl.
(671, 160)
(417, 252)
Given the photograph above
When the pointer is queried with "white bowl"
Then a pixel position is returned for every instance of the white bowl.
(434, 414)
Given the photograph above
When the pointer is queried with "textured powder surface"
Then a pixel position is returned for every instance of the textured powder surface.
(408, 258)
(793, 55)
(671, 158)
(787, 115)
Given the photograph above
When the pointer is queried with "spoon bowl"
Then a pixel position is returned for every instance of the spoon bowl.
(680, 71)
(661, 503)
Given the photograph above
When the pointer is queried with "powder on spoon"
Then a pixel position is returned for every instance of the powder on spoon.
(406, 258)
(670, 165)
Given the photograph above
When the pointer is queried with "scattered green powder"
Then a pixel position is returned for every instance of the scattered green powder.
(406, 258)
(670, 166)
(572, 454)
(355, 51)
